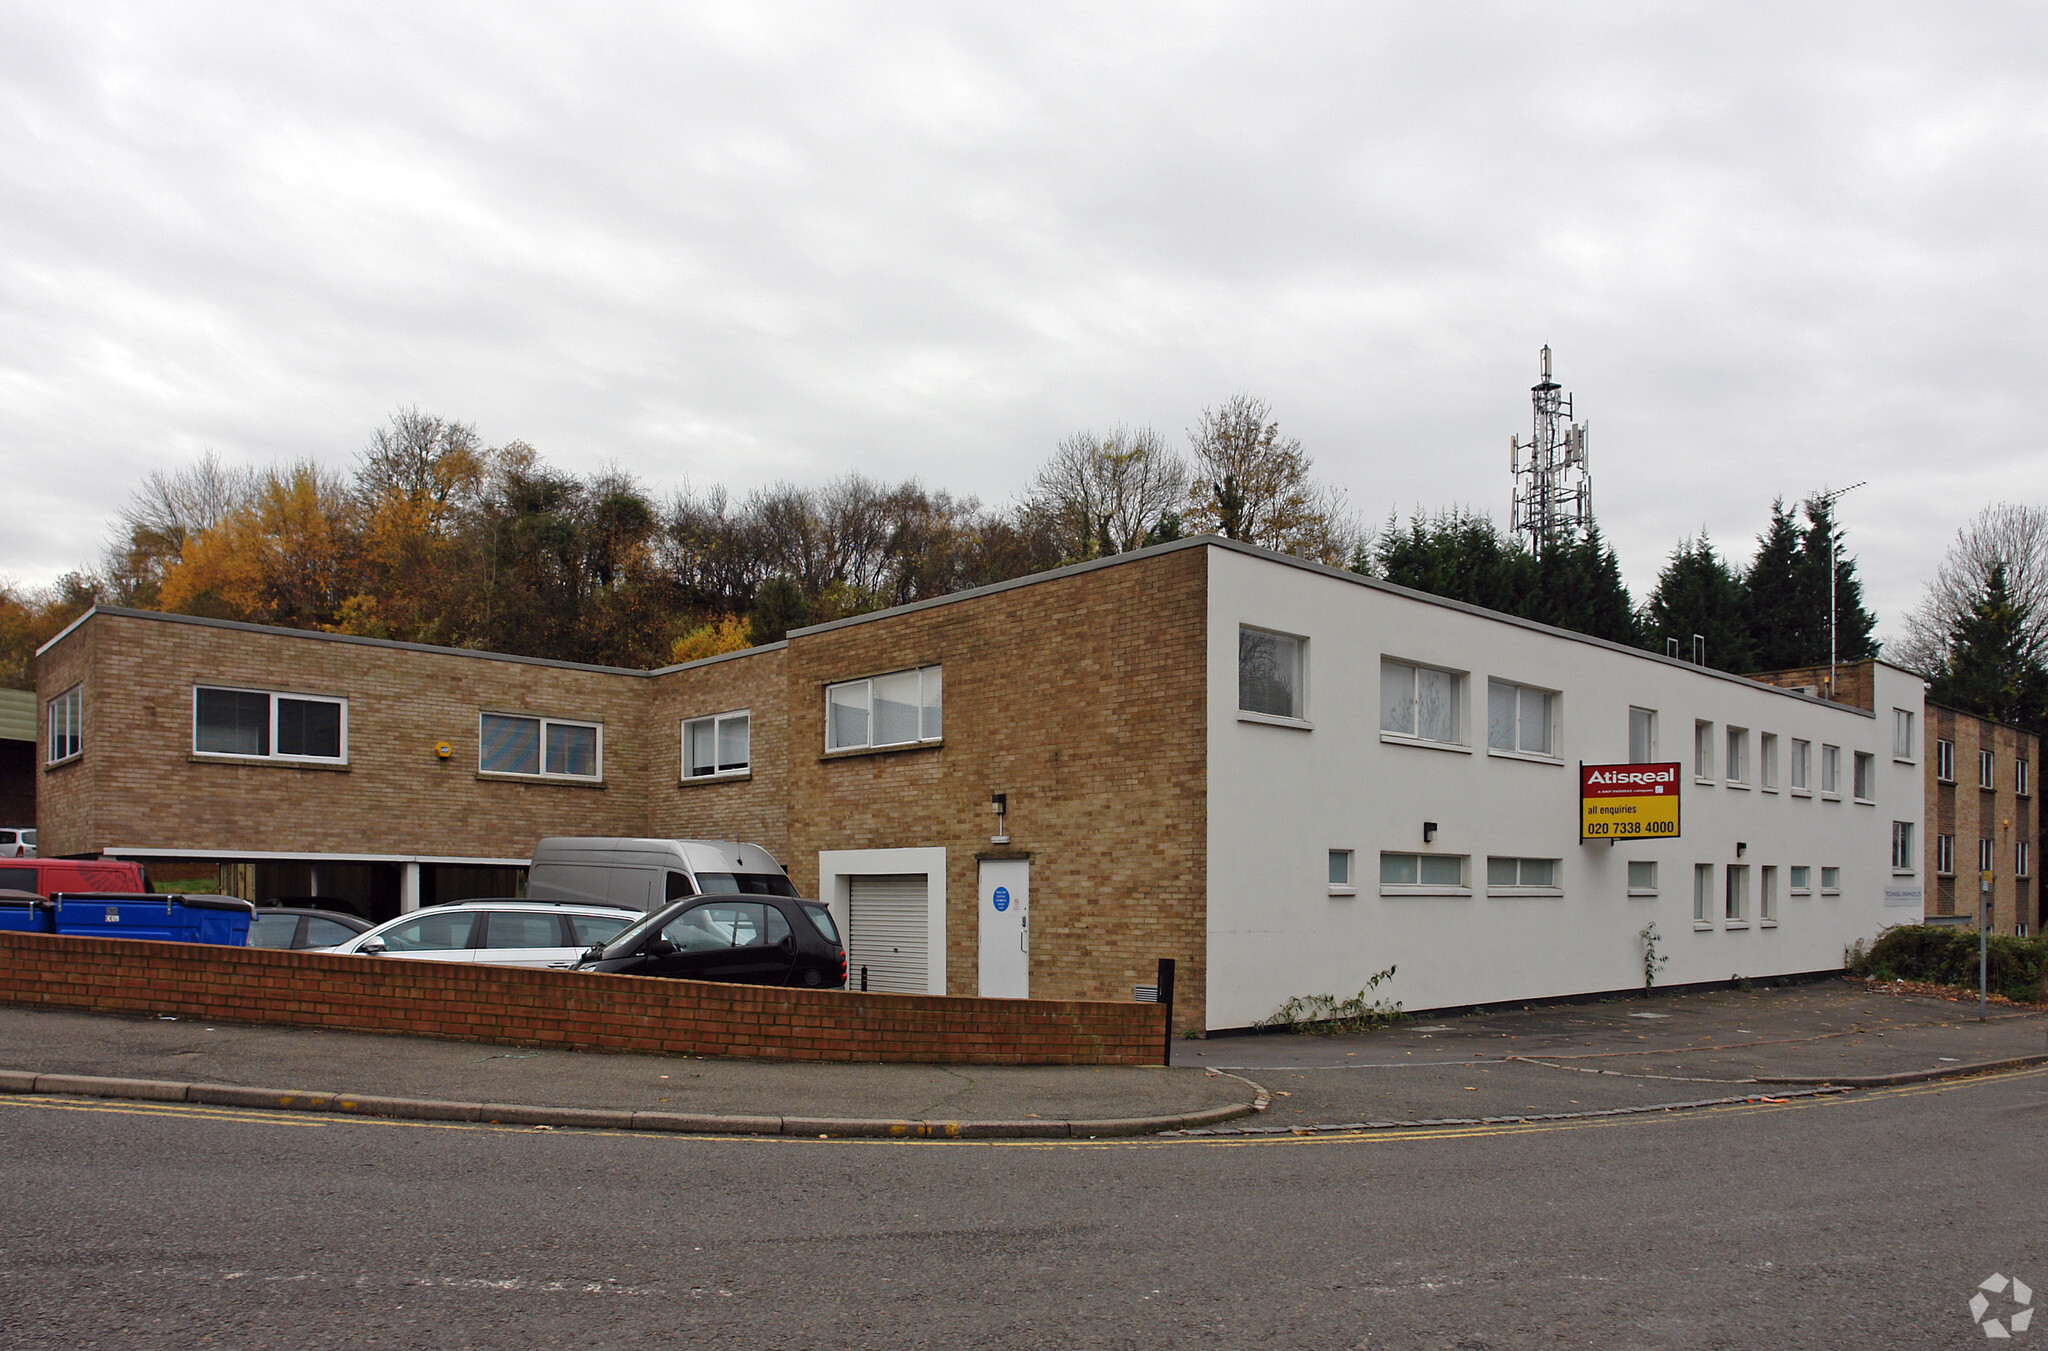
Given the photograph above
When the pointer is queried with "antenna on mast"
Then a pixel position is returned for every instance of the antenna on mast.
(1828, 499)
(1553, 497)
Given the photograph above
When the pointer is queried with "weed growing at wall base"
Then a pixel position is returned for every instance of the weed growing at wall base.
(1326, 1015)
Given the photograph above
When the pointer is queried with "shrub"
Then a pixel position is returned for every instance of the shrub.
(1947, 955)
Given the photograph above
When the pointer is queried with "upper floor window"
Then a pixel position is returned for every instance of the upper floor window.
(1703, 750)
(1866, 776)
(1519, 718)
(1902, 734)
(1802, 766)
(1642, 735)
(1830, 769)
(714, 746)
(2022, 860)
(1738, 755)
(67, 719)
(262, 723)
(547, 748)
(902, 709)
(2019, 776)
(1902, 846)
(1945, 760)
(1419, 701)
(1987, 770)
(1767, 759)
(1945, 855)
(1269, 673)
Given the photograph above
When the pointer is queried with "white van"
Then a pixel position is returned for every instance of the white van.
(647, 874)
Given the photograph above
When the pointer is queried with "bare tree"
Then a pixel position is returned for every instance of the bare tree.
(1104, 495)
(1252, 484)
(420, 458)
(2004, 533)
(169, 508)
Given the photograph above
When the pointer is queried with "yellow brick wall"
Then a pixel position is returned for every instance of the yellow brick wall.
(754, 808)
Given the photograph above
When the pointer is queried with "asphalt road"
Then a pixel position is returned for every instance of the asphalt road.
(1859, 1221)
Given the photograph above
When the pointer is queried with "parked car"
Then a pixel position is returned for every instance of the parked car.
(647, 874)
(752, 940)
(287, 926)
(17, 842)
(48, 876)
(494, 932)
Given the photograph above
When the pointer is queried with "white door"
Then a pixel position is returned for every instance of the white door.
(1005, 928)
(887, 931)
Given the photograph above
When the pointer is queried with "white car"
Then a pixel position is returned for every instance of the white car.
(494, 933)
(18, 842)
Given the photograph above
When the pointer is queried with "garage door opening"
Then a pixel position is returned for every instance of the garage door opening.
(888, 932)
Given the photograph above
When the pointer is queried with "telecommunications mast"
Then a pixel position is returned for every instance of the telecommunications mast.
(1553, 501)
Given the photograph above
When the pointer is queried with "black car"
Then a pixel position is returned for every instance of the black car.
(748, 940)
(287, 926)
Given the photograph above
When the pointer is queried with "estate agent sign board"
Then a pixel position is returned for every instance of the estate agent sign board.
(1628, 802)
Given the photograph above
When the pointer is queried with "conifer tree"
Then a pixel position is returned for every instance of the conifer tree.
(1778, 630)
(1698, 594)
(1853, 624)
(1990, 667)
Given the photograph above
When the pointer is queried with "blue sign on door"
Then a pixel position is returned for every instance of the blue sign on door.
(1002, 899)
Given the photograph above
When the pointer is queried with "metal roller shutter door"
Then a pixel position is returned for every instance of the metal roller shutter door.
(888, 932)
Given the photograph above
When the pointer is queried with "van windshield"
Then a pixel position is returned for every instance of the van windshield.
(745, 884)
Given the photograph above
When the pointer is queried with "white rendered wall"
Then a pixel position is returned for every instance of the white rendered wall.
(1281, 797)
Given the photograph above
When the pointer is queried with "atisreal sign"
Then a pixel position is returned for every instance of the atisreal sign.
(1628, 802)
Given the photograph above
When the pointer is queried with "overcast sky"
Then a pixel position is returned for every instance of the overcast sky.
(1774, 247)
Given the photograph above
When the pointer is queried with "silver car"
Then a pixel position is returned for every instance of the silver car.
(494, 933)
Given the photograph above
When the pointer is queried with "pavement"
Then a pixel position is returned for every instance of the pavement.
(1542, 1062)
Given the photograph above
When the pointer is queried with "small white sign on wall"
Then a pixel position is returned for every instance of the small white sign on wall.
(1903, 897)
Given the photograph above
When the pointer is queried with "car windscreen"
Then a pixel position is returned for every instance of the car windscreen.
(745, 884)
(633, 935)
(821, 919)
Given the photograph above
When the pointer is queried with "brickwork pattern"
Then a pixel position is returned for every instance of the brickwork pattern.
(1082, 699)
(1854, 682)
(516, 1006)
(1968, 812)
(754, 808)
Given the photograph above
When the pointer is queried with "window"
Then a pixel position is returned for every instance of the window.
(1802, 765)
(892, 710)
(1738, 755)
(1422, 870)
(1340, 872)
(1830, 881)
(2019, 777)
(2021, 860)
(715, 746)
(1521, 872)
(1902, 734)
(1419, 701)
(544, 748)
(1269, 674)
(1767, 760)
(1735, 898)
(1767, 895)
(66, 718)
(1831, 769)
(1702, 889)
(1987, 855)
(1987, 775)
(1642, 878)
(1802, 881)
(276, 726)
(1866, 776)
(1945, 761)
(1902, 846)
(1642, 735)
(1703, 750)
(1518, 718)
(1945, 855)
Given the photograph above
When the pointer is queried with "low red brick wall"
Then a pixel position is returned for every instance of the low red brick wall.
(519, 1007)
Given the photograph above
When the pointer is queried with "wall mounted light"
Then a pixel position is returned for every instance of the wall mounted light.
(1428, 832)
(1740, 849)
(999, 803)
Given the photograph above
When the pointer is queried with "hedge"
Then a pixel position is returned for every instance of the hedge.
(1947, 955)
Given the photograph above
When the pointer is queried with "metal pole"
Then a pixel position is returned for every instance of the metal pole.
(1983, 945)
(1166, 998)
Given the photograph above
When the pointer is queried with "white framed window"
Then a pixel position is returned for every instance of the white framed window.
(65, 715)
(1738, 755)
(1421, 702)
(1831, 769)
(1702, 892)
(1944, 760)
(1767, 894)
(1703, 751)
(1802, 880)
(1402, 874)
(263, 724)
(1902, 847)
(1987, 770)
(1520, 718)
(1521, 874)
(1945, 855)
(1735, 893)
(1642, 877)
(1767, 761)
(1903, 747)
(1342, 880)
(1270, 673)
(2020, 782)
(717, 746)
(1987, 855)
(1830, 881)
(1865, 781)
(538, 747)
(2022, 859)
(902, 709)
(1642, 735)
(1802, 766)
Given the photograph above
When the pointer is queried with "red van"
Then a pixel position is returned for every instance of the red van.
(48, 876)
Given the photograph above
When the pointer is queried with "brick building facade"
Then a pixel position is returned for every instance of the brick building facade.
(1981, 818)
